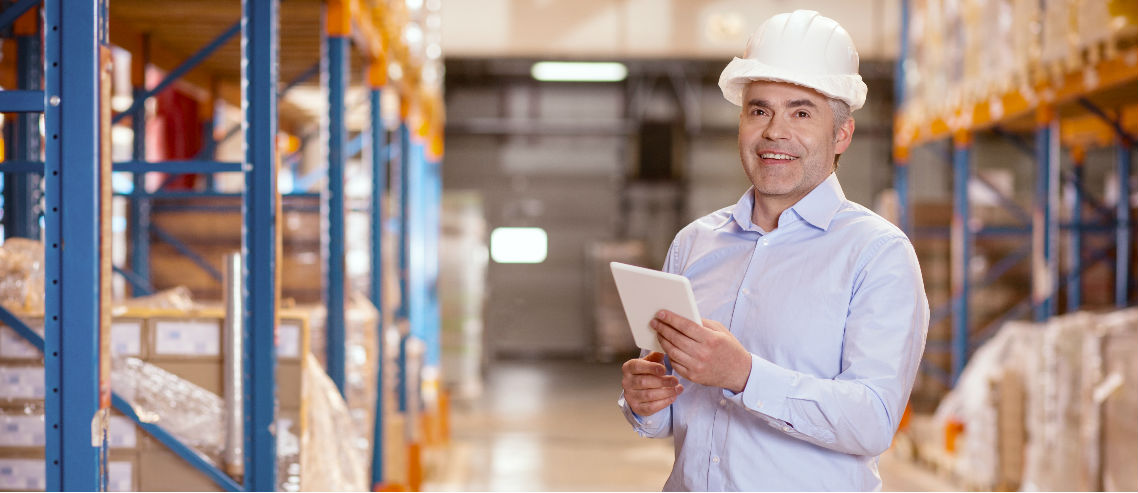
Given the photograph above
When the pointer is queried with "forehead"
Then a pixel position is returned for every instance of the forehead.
(782, 92)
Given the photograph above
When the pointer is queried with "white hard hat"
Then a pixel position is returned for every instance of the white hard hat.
(803, 48)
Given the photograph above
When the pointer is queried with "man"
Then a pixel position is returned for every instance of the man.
(816, 309)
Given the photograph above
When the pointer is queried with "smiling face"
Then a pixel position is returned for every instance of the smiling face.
(787, 140)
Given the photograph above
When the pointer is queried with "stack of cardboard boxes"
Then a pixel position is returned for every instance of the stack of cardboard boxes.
(187, 344)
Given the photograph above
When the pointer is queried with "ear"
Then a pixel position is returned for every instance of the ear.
(844, 137)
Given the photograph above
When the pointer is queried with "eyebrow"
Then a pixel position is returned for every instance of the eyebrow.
(794, 103)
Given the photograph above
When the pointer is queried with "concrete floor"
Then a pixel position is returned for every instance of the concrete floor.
(555, 426)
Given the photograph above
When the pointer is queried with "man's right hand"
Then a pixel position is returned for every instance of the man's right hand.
(647, 386)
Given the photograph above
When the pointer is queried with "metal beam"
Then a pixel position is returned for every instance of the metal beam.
(72, 240)
(138, 209)
(21, 101)
(378, 191)
(403, 310)
(141, 286)
(190, 63)
(1075, 241)
(1122, 234)
(177, 167)
(259, 59)
(186, 251)
(961, 250)
(13, 12)
(1119, 132)
(23, 192)
(335, 77)
(1045, 273)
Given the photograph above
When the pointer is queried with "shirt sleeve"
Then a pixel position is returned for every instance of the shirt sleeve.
(658, 425)
(858, 411)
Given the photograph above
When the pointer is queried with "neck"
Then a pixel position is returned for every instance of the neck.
(768, 209)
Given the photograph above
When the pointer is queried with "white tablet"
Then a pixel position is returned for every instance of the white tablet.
(643, 292)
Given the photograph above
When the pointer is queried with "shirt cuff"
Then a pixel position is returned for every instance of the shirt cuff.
(767, 389)
(650, 426)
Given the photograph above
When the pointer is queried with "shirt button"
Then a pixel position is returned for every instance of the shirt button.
(649, 422)
(715, 459)
(786, 429)
(758, 404)
(722, 402)
(766, 242)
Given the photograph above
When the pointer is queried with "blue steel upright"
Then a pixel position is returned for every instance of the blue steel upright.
(335, 76)
(432, 205)
(259, 37)
(961, 250)
(403, 310)
(22, 136)
(1045, 267)
(1122, 233)
(72, 240)
(139, 209)
(378, 187)
(1075, 242)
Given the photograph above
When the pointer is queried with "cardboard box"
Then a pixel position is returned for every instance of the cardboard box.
(16, 349)
(190, 338)
(27, 470)
(160, 469)
(21, 384)
(22, 471)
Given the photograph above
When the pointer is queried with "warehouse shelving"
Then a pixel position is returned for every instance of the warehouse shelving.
(1063, 110)
(73, 216)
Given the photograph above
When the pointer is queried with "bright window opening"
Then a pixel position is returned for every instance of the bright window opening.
(579, 71)
(518, 245)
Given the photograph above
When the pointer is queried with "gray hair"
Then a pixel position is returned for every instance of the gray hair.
(841, 111)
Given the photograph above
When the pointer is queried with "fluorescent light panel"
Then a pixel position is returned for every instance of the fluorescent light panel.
(579, 71)
(518, 245)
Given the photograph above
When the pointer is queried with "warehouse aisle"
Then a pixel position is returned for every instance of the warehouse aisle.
(554, 426)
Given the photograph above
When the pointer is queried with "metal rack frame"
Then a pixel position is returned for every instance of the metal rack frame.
(70, 214)
(1042, 224)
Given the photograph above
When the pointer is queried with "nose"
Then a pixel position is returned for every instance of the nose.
(775, 130)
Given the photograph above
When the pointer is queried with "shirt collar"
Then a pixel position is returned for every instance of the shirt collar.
(818, 207)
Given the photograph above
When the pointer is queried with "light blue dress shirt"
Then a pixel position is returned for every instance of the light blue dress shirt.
(832, 308)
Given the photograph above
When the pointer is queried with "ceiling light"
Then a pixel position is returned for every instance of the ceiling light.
(518, 245)
(579, 71)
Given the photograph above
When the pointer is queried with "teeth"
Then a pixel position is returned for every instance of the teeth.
(772, 155)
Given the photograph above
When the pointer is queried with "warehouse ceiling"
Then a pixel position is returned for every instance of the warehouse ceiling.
(488, 30)
(621, 29)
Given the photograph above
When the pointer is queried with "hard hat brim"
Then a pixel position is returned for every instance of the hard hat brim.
(742, 71)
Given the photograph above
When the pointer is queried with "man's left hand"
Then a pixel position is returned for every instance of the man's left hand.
(706, 354)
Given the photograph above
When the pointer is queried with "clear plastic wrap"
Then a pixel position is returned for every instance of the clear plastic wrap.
(1049, 407)
(361, 363)
(21, 275)
(187, 411)
(974, 403)
(326, 463)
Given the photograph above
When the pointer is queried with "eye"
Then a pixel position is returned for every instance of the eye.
(802, 114)
(758, 112)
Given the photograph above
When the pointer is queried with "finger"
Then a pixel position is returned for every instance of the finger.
(648, 408)
(681, 369)
(666, 331)
(655, 394)
(644, 382)
(641, 367)
(713, 325)
(682, 325)
(675, 352)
